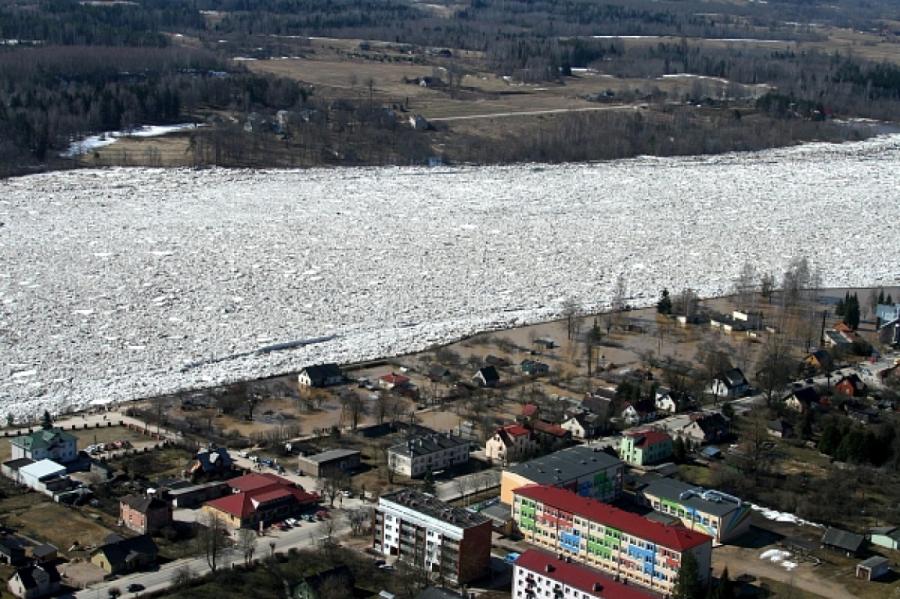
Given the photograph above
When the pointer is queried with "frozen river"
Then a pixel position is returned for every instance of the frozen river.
(121, 283)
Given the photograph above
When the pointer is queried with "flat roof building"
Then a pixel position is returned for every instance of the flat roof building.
(451, 542)
(584, 470)
(721, 516)
(624, 544)
(536, 573)
(427, 453)
(328, 462)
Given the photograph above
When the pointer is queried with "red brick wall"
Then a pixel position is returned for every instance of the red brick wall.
(475, 553)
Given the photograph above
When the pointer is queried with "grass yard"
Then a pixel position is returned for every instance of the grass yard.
(36, 517)
(90, 436)
(169, 461)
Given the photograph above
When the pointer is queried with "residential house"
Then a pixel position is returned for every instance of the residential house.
(550, 435)
(329, 463)
(326, 583)
(889, 333)
(731, 384)
(819, 361)
(35, 580)
(887, 312)
(638, 412)
(640, 448)
(487, 377)
(393, 381)
(843, 541)
(258, 500)
(841, 341)
(802, 399)
(537, 574)
(752, 320)
(45, 476)
(634, 548)
(876, 374)
(706, 427)
(584, 470)
(723, 517)
(320, 375)
(44, 553)
(46, 444)
(533, 368)
(427, 453)
(885, 536)
(144, 513)
(11, 551)
(210, 462)
(667, 400)
(119, 555)
(851, 386)
(600, 402)
(438, 373)
(584, 425)
(451, 542)
(510, 443)
(780, 428)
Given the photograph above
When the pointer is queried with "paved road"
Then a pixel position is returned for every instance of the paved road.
(497, 115)
(306, 535)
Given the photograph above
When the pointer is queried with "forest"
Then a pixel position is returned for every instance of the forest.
(70, 68)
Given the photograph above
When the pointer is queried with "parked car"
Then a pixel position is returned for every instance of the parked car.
(134, 587)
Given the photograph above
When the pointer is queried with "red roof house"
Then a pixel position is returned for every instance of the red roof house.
(392, 380)
(259, 499)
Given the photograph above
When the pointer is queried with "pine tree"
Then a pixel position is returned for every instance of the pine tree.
(687, 584)
(889, 301)
(726, 588)
(46, 421)
(664, 305)
(881, 296)
(428, 483)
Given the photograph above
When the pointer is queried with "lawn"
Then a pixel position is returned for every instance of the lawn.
(169, 461)
(37, 517)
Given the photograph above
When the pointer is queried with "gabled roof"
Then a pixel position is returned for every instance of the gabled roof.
(733, 378)
(648, 438)
(34, 576)
(843, 539)
(530, 409)
(319, 373)
(805, 395)
(253, 481)
(644, 406)
(144, 504)
(513, 430)
(245, 504)
(675, 537)
(587, 580)
(43, 439)
(711, 423)
(395, 379)
(489, 374)
(548, 428)
(122, 551)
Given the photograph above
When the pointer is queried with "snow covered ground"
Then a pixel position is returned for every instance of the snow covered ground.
(121, 283)
(88, 144)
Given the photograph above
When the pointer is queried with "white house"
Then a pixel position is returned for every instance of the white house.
(510, 443)
(320, 375)
(427, 453)
(583, 426)
(34, 581)
(730, 383)
(46, 444)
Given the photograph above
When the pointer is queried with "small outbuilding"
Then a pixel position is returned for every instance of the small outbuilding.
(873, 568)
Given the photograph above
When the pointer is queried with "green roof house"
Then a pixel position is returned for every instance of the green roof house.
(46, 444)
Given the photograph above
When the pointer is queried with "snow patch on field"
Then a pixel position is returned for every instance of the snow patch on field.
(775, 515)
(780, 557)
(123, 283)
(89, 144)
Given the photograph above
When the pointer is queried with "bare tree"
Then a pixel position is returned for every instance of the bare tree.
(211, 538)
(332, 484)
(246, 544)
(570, 313)
(352, 408)
(774, 369)
(796, 280)
(182, 575)
(360, 522)
(767, 286)
(745, 285)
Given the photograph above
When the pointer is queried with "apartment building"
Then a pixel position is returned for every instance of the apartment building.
(627, 546)
(584, 470)
(721, 516)
(427, 453)
(539, 575)
(452, 543)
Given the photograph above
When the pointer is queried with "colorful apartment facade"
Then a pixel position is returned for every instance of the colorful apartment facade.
(719, 515)
(623, 544)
